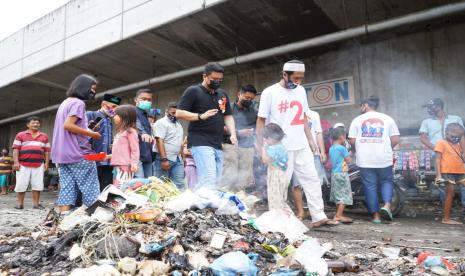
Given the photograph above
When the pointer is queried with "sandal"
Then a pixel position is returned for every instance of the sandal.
(19, 207)
(344, 220)
(39, 207)
(376, 221)
(325, 222)
(386, 214)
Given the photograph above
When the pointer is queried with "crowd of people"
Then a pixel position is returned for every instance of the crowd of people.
(230, 145)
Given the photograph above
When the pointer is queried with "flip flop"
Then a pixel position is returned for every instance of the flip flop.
(327, 223)
(386, 214)
(376, 221)
(452, 222)
(40, 207)
(19, 207)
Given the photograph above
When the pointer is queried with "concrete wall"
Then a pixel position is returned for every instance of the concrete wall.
(83, 26)
(404, 71)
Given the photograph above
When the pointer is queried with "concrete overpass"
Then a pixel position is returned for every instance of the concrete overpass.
(127, 41)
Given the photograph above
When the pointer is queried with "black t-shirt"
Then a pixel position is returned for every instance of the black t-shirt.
(244, 118)
(197, 99)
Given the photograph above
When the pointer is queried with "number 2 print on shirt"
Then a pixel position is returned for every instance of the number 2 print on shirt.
(285, 105)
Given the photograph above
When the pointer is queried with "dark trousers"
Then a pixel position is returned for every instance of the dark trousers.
(105, 176)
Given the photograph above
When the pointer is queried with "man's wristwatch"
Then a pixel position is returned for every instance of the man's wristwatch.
(198, 116)
(164, 159)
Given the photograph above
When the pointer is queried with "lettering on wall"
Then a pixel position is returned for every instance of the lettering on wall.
(330, 93)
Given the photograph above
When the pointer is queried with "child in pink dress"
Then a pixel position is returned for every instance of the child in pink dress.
(125, 150)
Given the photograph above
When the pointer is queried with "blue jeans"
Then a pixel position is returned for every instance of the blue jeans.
(372, 178)
(209, 163)
(144, 170)
(175, 173)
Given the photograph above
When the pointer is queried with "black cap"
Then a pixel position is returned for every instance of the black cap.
(112, 99)
(435, 101)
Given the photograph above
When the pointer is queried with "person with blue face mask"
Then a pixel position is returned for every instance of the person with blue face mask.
(143, 102)
(105, 128)
(450, 166)
(433, 129)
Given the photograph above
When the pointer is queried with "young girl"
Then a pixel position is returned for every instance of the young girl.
(341, 190)
(71, 143)
(189, 166)
(125, 150)
(275, 155)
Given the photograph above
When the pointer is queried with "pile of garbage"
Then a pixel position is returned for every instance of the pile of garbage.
(147, 227)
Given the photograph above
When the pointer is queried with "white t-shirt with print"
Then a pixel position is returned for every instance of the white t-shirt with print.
(287, 108)
(372, 132)
(315, 123)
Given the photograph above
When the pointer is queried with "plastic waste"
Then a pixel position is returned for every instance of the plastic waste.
(286, 272)
(391, 252)
(309, 255)
(182, 202)
(77, 217)
(134, 183)
(99, 270)
(197, 259)
(75, 252)
(428, 259)
(218, 239)
(157, 247)
(127, 266)
(233, 263)
(152, 267)
(144, 215)
(283, 221)
(103, 215)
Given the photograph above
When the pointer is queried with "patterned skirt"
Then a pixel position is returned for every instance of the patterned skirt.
(341, 190)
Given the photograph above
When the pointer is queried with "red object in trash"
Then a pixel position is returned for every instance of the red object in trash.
(95, 156)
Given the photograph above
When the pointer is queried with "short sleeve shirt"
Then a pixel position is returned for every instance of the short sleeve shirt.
(435, 130)
(337, 154)
(314, 124)
(450, 157)
(209, 132)
(278, 155)
(373, 131)
(31, 149)
(287, 108)
(172, 136)
(245, 118)
(76, 145)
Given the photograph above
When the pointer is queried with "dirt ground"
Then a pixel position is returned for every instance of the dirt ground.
(417, 227)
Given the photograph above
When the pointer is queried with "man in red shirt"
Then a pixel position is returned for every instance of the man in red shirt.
(31, 151)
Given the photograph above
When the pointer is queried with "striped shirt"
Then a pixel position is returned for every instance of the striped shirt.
(31, 150)
(6, 165)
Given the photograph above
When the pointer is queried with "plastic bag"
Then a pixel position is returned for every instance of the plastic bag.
(283, 221)
(309, 255)
(77, 217)
(234, 263)
(226, 203)
(182, 202)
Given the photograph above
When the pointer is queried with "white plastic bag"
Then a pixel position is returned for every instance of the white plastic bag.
(283, 221)
(310, 254)
(77, 217)
(181, 203)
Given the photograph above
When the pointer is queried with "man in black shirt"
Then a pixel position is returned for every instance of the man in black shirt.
(207, 109)
(238, 161)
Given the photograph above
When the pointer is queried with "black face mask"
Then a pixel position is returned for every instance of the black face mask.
(172, 118)
(214, 84)
(246, 103)
(90, 95)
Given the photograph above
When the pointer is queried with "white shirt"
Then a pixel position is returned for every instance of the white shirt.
(315, 124)
(372, 132)
(286, 107)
